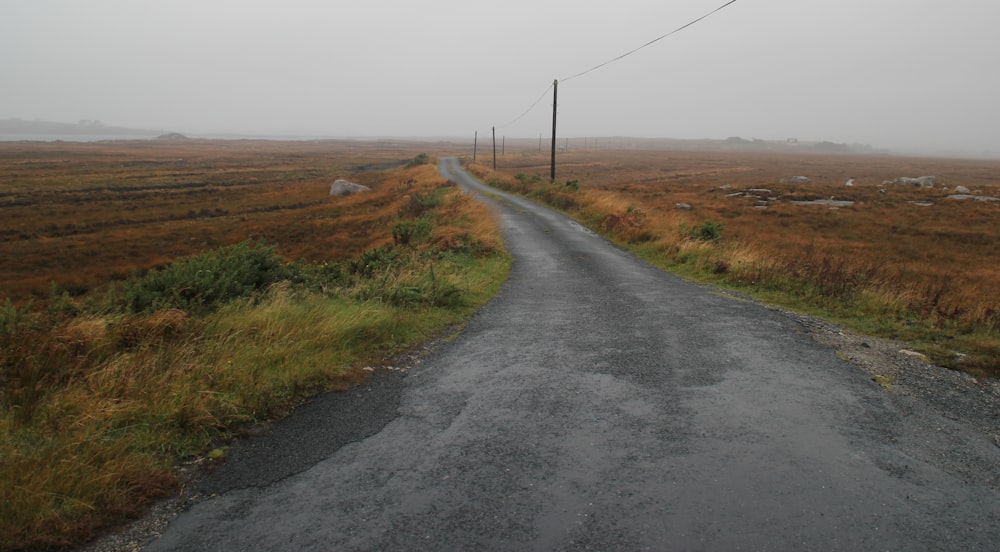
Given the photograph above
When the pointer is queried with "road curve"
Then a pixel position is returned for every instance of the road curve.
(598, 404)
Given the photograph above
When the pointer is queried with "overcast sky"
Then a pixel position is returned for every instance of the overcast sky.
(891, 73)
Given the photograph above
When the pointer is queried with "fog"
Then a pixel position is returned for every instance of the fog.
(900, 74)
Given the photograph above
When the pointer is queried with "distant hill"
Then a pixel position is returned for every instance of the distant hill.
(28, 129)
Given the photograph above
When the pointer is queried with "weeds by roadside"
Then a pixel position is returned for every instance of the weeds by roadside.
(956, 324)
(100, 395)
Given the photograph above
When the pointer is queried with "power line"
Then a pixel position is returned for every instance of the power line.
(526, 111)
(651, 42)
(610, 61)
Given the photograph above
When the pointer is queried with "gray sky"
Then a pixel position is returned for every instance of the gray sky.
(891, 73)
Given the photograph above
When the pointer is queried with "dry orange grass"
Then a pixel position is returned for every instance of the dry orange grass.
(97, 404)
(899, 255)
(80, 214)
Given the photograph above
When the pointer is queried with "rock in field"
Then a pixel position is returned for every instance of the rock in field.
(918, 182)
(344, 188)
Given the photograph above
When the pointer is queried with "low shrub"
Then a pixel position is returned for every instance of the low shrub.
(708, 231)
(417, 204)
(373, 261)
(411, 232)
(420, 159)
(202, 283)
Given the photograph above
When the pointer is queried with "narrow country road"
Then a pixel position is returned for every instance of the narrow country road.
(600, 404)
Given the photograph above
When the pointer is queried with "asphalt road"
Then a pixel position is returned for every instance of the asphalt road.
(597, 404)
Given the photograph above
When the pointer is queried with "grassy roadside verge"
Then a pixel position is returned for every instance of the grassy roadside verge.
(956, 326)
(100, 396)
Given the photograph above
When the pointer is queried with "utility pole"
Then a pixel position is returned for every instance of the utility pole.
(494, 149)
(503, 146)
(475, 143)
(555, 103)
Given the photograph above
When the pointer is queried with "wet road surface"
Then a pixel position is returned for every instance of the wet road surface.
(596, 404)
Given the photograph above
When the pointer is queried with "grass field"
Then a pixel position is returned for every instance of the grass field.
(885, 258)
(120, 356)
(159, 296)
(80, 214)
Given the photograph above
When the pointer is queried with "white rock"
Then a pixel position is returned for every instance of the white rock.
(345, 188)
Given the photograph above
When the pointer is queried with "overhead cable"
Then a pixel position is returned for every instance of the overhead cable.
(526, 111)
(655, 40)
(630, 52)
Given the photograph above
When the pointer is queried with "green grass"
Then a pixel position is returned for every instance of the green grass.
(108, 438)
(100, 397)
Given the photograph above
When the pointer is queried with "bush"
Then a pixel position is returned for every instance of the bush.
(203, 283)
(421, 159)
(708, 231)
(418, 204)
(373, 261)
(13, 319)
(409, 232)
(320, 277)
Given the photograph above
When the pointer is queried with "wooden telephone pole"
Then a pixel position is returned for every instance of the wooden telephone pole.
(555, 96)
(475, 144)
(494, 149)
